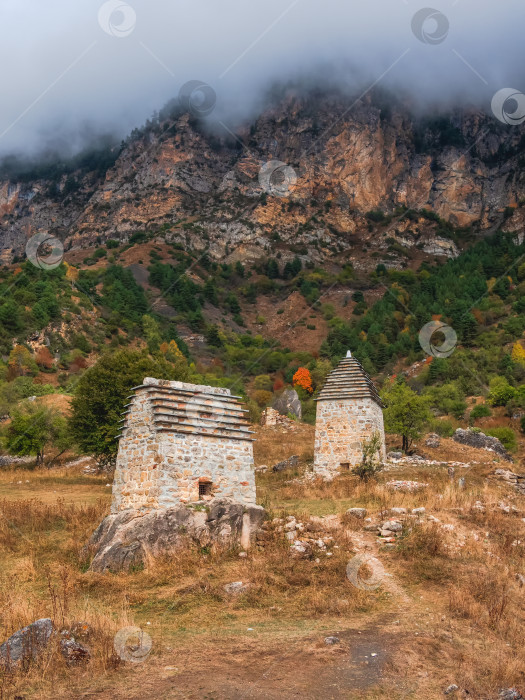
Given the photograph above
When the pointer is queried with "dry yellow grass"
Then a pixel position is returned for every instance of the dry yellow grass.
(459, 618)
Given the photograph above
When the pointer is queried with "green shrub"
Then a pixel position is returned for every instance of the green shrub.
(501, 392)
(308, 411)
(481, 410)
(375, 215)
(442, 427)
(370, 464)
(506, 436)
(263, 382)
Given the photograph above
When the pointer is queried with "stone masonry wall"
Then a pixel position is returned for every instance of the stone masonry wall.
(341, 428)
(160, 465)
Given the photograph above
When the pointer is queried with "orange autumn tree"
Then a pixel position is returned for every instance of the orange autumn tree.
(44, 358)
(303, 379)
(172, 351)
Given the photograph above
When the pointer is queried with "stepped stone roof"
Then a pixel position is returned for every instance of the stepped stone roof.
(192, 409)
(349, 381)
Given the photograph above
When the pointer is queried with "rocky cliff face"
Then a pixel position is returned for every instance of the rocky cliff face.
(203, 188)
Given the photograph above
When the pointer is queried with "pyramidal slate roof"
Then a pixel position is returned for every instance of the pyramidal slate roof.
(349, 381)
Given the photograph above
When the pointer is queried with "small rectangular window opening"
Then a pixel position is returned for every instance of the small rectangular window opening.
(204, 488)
(345, 466)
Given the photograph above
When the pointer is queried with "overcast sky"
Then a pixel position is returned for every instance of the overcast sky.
(71, 68)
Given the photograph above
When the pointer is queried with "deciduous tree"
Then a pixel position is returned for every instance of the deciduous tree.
(101, 393)
(33, 429)
(406, 413)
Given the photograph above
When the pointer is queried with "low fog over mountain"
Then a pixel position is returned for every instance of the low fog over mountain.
(72, 71)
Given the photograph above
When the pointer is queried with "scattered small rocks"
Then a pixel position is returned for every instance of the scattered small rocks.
(392, 526)
(418, 511)
(237, 587)
(331, 640)
(405, 485)
(451, 689)
(433, 440)
(395, 455)
(300, 547)
(506, 508)
(306, 539)
(7, 460)
(510, 694)
(516, 480)
(398, 511)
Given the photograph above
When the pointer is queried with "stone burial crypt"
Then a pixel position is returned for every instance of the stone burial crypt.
(349, 412)
(184, 470)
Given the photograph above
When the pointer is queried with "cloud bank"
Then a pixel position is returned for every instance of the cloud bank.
(72, 70)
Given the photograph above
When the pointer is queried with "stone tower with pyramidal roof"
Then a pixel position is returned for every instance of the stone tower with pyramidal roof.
(349, 412)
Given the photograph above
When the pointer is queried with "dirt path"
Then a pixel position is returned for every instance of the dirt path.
(286, 664)
(304, 667)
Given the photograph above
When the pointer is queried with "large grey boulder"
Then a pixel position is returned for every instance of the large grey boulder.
(133, 538)
(288, 403)
(473, 438)
(26, 645)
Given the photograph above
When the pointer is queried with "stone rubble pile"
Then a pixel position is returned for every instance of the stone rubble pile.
(399, 459)
(516, 480)
(433, 440)
(388, 530)
(307, 539)
(271, 417)
(7, 461)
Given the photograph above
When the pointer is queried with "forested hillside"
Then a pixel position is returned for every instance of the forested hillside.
(174, 303)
